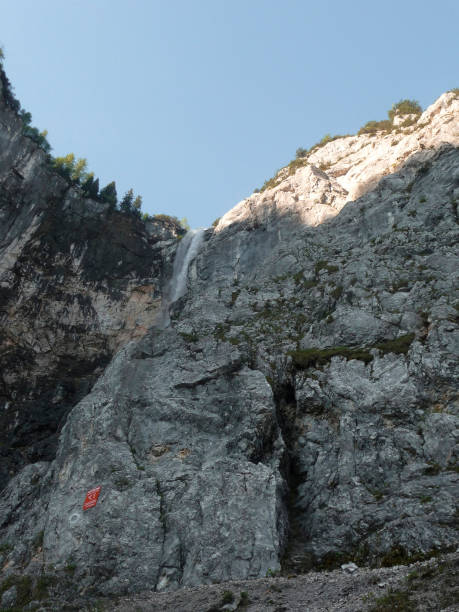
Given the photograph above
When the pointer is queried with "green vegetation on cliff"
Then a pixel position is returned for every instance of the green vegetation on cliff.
(403, 107)
(306, 358)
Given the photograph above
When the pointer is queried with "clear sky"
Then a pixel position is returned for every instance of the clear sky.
(194, 103)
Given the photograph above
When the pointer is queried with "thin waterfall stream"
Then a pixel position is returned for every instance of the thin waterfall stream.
(176, 287)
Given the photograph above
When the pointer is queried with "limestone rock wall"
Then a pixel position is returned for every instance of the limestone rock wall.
(76, 282)
(344, 169)
(300, 410)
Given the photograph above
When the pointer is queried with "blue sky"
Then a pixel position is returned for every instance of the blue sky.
(195, 103)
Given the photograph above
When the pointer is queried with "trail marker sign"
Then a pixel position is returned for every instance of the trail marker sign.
(91, 498)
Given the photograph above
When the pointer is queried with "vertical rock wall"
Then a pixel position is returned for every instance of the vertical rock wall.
(76, 282)
(299, 410)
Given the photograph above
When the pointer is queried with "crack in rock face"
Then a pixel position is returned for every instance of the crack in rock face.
(278, 393)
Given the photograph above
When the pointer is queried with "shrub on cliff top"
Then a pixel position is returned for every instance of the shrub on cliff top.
(300, 152)
(32, 132)
(301, 159)
(325, 140)
(371, 127)
(167, 218)
(71, 168)
(404, 107)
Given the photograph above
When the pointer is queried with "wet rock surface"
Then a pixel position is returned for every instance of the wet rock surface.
(300, 410)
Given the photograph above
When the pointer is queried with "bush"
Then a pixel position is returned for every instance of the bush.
(371, 127)
(274, 181)
(325, 140)
(64, 166)
(71, 168)
(300, 152)
(316, 357)
(32, 132)
(38, 137)
(398, 346)
(168, 219)
(227, 598)
(404, 107)
(244, 599)
(393, 600)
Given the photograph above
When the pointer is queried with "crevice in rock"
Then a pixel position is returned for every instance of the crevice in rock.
(293, 558)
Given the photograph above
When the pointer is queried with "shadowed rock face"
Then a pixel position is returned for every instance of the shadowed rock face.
(300, 408)
(76, 282)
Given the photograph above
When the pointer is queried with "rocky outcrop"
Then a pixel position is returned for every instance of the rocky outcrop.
(316, 187)
(77, 281)
(300, 409)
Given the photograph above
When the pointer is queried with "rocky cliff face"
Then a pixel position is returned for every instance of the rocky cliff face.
(76, 282)
(301, 407)
(317, 186)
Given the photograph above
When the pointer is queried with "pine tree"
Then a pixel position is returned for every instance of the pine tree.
(137, 204)
(26, 117)
(108, 194)
(90, 186)
(126, 205)
(94, 193)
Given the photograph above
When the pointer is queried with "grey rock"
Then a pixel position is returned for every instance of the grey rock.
(350, 568)
(301, 405)
(77, 281)
(9, 597)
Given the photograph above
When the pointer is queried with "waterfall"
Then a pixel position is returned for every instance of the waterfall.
(186, 252)
(188, 249)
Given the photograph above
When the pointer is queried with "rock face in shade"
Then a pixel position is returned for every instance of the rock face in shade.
(76, 283)
(299, 410)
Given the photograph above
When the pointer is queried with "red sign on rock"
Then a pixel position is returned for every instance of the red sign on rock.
(91, 498)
